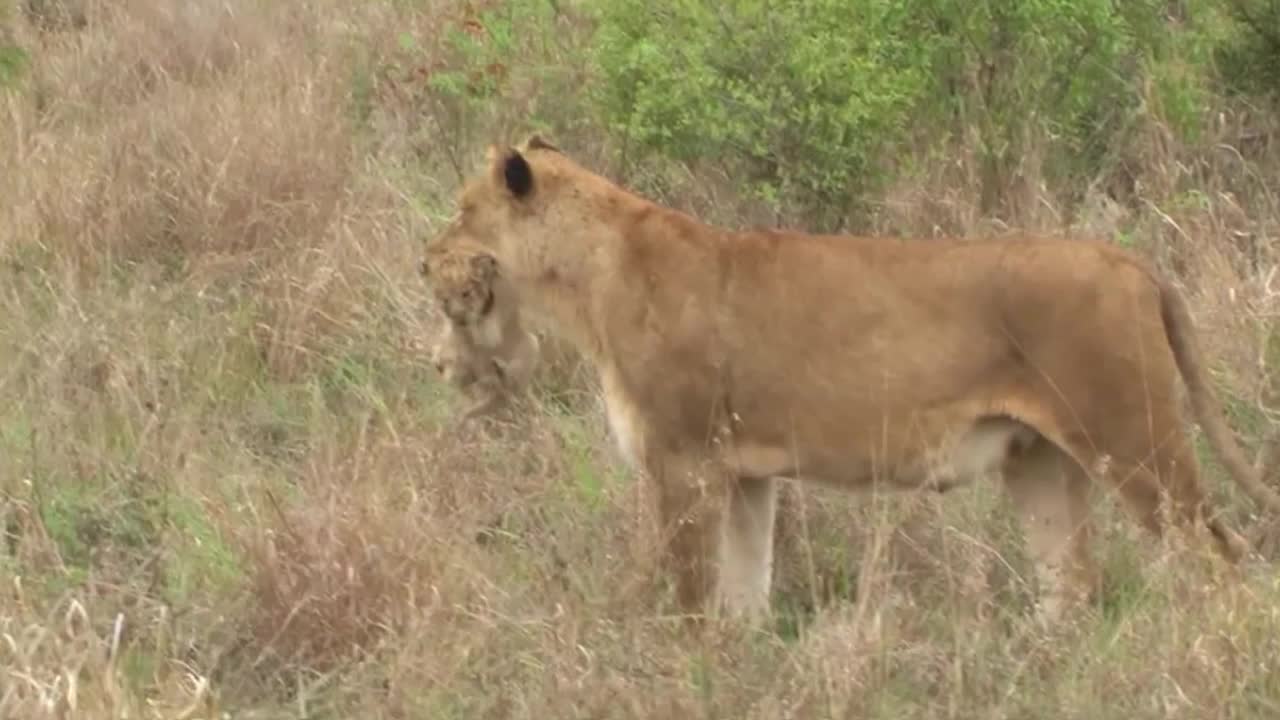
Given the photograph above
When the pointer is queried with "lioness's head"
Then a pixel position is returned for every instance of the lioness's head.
(523, 206)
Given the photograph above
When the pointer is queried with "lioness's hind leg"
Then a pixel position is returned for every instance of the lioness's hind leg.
(1145, 493)
(1050, 493)
(1139, 445)
(746, 557)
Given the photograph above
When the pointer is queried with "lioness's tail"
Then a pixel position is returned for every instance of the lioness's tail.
(1204, 403)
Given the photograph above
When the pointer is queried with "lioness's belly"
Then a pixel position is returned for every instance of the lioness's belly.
(961, 451)
(952, 460)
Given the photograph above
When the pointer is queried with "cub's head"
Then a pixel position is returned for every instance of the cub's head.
(462, 282)
(525, 207)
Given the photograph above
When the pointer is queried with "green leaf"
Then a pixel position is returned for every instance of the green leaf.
(13, 64)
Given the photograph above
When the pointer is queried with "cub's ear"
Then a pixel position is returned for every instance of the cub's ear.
(515, 174)
(431, 251)
(537, 142)
(484, 267)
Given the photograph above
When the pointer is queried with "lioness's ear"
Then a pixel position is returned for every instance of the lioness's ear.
(517, 176)
(484, 266)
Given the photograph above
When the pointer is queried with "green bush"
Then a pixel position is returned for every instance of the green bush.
(462, 82)
(1249, 56)
(799, 99)
(808, 102)
(1068, 72)
(13, 62)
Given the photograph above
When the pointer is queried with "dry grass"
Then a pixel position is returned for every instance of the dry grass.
(229, 483)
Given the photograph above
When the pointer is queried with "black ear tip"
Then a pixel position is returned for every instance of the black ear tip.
(518, 174)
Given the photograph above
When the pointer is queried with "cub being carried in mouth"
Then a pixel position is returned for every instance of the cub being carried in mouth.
(483, 349)
(730, 359)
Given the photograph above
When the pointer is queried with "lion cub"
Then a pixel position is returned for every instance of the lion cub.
(483, 350)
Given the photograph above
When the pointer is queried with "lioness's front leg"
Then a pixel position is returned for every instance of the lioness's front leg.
(1050, 492)
(746, 554)
(691, 497)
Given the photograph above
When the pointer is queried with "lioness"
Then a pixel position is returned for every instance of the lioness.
(729, 359)
(484, 349)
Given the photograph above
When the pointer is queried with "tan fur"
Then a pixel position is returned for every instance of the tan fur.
(729, 359)
(483, 348)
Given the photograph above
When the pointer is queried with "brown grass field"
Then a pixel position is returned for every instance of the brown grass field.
(231, 487)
